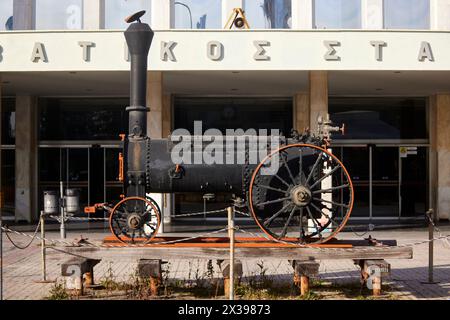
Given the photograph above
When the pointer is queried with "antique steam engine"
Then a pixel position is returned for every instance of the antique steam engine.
(299, 192)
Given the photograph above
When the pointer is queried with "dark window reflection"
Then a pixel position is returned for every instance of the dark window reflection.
(385, 181)
(234, 113)
(8, 121)
(8, 182)
(356, 160)
(380, 118)
(82, 119)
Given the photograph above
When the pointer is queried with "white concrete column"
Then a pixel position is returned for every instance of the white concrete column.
(163, 14)
(227, 8)
(166, 115)
(440, 153)
(302, 14)
(372, 14)
(301, 111)
(26, 158)
(440, 14)
(93, 14)
(318, 97)
(24, 13)
(157, 102)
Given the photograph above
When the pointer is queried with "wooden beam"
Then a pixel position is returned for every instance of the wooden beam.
(356, 253)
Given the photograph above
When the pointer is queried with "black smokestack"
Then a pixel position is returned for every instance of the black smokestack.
(139, 37)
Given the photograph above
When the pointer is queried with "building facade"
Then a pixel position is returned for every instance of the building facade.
(382, 67)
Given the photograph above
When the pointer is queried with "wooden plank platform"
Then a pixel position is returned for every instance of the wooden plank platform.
(356, 249)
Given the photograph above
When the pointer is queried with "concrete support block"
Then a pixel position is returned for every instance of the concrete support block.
(372, 273)
(78, 273)
(151, 270)
(303, 270)
(74, 285)
(225, 267)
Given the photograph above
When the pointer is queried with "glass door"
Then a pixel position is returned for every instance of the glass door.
(414, 183)
(8, 184)
(390, 182)
(357, 161)
(91, 169)
(385, 182)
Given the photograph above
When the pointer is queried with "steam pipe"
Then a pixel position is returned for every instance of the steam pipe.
(139, 37)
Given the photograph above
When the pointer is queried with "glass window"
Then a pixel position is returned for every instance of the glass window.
(268, 14)
(234, 113)
(8, 121)
(59, 15)
(407, 14)
(117, 10)
(337, 14)
(198, 14)
(380, 118)
(6, 12)
(8, 186)
(82, 119)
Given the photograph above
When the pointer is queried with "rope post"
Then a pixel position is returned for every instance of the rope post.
(43, 256)
(62, 227)
(430, 245)
(231, 236)
(430, 216)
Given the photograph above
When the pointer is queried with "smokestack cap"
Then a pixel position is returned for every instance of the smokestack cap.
(135, 17)
(139, 35)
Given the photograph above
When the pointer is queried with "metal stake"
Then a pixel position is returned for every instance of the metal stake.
(430, 246)
(430, 216)
(44, 266)
(231, 236)
(62, 227)
(43, 252)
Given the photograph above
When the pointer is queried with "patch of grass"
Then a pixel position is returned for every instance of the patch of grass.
(110, 283)
(352, 290)
(310, 295)
(58, 292)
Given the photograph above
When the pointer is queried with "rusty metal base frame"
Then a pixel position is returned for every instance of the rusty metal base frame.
(241, 242)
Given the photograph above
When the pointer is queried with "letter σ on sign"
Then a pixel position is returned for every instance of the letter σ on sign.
(260, 55)
(331, 53)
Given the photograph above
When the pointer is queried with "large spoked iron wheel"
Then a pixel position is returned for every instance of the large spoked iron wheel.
(135, 220)
(302, 194)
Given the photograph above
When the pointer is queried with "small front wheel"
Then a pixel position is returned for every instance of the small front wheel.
(135, 220)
